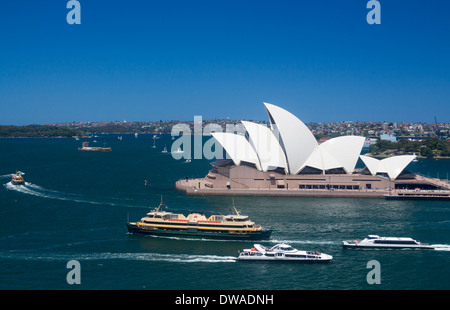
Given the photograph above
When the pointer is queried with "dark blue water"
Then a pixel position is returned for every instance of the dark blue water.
(75, 204)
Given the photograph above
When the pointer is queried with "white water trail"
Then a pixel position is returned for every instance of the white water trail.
(441, 247)
(175, 258)
(153, 257)
(313, 242)
(36, 190)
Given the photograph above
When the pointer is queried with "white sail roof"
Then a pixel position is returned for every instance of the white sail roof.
(321, 159)
(392, 166)
(237, 147)
(345, 150)
(296, 139)
(371, 163)
(266, 145)
(340, 152)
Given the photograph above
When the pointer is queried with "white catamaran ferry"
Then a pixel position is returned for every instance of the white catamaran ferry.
(374, 241)
(282, 252)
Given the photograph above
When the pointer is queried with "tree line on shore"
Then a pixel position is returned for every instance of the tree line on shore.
(37, 131)
(432, 147)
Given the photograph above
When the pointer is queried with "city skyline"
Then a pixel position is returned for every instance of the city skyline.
(324, 129)
(150, 61)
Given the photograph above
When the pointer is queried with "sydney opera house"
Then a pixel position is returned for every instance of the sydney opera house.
(286, 159)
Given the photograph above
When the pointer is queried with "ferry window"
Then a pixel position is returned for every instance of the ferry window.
(286, 248)
(368, 186)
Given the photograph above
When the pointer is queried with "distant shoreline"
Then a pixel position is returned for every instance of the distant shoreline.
(417, 156)
(39, 137)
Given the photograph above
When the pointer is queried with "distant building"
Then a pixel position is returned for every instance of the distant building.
(388, 137)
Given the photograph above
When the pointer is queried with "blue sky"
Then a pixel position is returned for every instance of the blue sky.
(150, 60)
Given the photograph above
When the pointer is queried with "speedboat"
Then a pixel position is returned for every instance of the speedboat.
(196, 225)
(17, 179)
(282, 252)
(374, 241)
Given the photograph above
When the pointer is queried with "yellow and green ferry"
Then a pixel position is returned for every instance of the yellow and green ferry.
(197, 225)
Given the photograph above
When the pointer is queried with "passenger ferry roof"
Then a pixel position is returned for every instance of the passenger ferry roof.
(241, 217)
(389, 238)
(162, 213)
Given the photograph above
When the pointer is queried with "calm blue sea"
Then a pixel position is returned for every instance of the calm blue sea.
(75, 204)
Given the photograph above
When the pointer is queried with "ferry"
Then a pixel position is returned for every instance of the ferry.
(374, 241)
(282, 252)
(17, 179)
(197, 225)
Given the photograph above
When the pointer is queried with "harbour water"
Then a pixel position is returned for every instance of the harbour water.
(74, 206)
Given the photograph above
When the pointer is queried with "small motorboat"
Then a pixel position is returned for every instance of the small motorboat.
(282, 252)
(17, 179)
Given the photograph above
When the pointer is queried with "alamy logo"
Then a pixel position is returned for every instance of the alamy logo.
(74, 275)
(374, 275)
(374, 15)
(74, 15)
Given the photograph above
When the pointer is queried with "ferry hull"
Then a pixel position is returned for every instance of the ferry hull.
(197, 233)
(357, 246)
(292, 260)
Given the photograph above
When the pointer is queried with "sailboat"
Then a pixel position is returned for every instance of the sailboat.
(165, 150)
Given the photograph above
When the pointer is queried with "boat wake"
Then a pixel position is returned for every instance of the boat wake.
(305, 242)
(36, 190)
(173, 258)
(153, 257)
(276, 241)
(441, 247)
